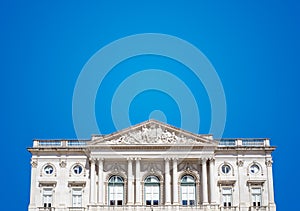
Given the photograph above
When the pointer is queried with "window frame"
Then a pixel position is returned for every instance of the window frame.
(189, 201)
(227, 203)
(78, 196)
(255, 196)
(47, 197)
(113, 186)
(154, 185)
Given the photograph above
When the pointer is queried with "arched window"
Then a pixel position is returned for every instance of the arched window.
(188, 190)
(152, 190)
(116, 190)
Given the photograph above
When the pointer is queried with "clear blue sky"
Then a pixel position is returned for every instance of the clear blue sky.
(253, 45)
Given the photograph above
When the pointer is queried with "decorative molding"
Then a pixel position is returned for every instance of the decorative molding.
(153, 134)
(261, 172)
(62, 164)
(76, 183)
(240, 163)
(42, 173)
(47, 183)
(33, 163)
(269, 163)
(231, 173)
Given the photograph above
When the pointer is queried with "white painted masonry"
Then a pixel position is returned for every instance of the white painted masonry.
(152, 166)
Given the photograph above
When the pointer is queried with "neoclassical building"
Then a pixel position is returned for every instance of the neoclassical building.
(152, 166)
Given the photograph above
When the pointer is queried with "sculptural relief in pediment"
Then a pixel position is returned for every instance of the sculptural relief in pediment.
(151, 135)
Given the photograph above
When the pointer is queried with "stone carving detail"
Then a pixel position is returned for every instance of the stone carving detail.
(269, 163)
(152, 167)
(33, 163)
(62, 164)
(152, 135)
(240, 163)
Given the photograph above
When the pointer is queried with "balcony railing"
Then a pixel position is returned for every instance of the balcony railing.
(147, 208)
(77, 208)
(50, 143)
(254, 142)
(260, 208)
(228, 209)
(249, 142)
(60, 143)
(227, 142)
(46, 209)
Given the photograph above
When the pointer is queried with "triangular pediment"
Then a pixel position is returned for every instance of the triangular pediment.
(152, 132)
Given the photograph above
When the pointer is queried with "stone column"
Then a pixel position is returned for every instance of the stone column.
(204, 182)
(100, 181)
(212, 182)
(138, 200)
(130, 189)
(269, 163)
(175, 182)
(92, 181)
(33, 184)
(167, 182)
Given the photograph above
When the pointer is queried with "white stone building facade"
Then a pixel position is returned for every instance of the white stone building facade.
(152, 166)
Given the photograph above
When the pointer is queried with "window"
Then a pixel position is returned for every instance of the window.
(152, 190)
(227, 196)
(256, 197)
(77, 169)
(47, 197)
(48, 169)
(116, 190)
(77, 197)
(226, 169)
(188, 190)
(254, 169)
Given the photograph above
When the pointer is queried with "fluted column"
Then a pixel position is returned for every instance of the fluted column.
(175, 182)
(138, 181)
(204, 181)
(130, 189)
(100, 181)
(212, 181)
(92, 181)
(167, 182)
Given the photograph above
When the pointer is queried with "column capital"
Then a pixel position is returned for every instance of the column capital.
(175, 158)
(100, 159)
(92, 160)
(240, 163)
(130, 158)
(167, 159)
(137, 158)
(203, 160)
(269, 162)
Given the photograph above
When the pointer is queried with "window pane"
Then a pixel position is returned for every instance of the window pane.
(184, 202)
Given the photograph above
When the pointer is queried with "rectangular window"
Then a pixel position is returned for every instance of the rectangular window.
(227, 196)
(47, 197)
(77, 197)
(256, 197)
(116, 195)
(188, 195)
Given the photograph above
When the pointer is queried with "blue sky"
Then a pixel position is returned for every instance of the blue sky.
(253, 45)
